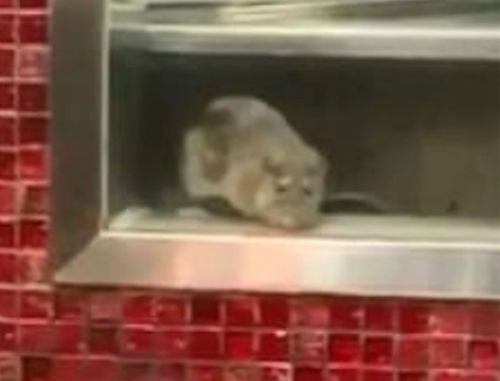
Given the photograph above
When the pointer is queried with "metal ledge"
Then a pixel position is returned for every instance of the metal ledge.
(339, 39)
(386, 266)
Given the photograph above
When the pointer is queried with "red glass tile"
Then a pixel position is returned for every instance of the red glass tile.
(270, 373)
(481, 377)
(274, 311)
(240, 311)
(6, 28)
(8, 337)
(32, 97)
(35, 199)
(346, 314)
(205, 373)
(138, 308)
(309, 312)
(8, 303)
(70, 304)
(239, 345)
(206, 344)
(344, 348)
(37, 368)
(100, 370)
(414, 318)
(31, 268)
(447, 353)
(36, 337)
(7, 269)
(378, 351)
(69, 338)
(33, 4)
(171, 372)
(485, 318)
(6, 95)
(450, 318)
(302, 373)
(6, 62)
(7, 231)
(65, 369)
(7, 130)
(33, 62)
(273, 346)
(412, 353)
(36, 304)
(103, 340)
(241, 373)
(105, 306)
(33, 28)
(34, 232)
(171, 310)
(138, 341)
(33, 164)
(8, 199)
(448, 376)
(309, 346)
(413, 376)
(10, 367)
(33, 130)
(377, 375)
(6, 3)
(7, 165)
(136, 371)
(379, 316)
(205, 309)
(344, 374)
(484, 354)
(175, 344)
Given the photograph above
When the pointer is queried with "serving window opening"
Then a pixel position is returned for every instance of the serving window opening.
(411, 143)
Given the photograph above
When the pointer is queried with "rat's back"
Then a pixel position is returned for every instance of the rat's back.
(250, 128)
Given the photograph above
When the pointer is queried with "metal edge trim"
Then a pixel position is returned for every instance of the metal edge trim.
(287, 266)
(75, 100)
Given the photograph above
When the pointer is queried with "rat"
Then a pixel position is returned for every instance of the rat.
(244, 151)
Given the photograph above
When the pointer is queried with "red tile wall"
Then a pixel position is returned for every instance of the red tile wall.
(60, 334)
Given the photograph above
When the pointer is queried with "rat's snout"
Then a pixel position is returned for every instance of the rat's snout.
(289, 222)
(295, 221)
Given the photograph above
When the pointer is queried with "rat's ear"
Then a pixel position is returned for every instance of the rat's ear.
(320, 166)
(272, 165)
(323, 165)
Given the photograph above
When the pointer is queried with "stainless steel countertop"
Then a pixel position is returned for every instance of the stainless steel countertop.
(389, 256)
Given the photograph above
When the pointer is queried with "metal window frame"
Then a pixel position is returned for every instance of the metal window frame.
(84, 252)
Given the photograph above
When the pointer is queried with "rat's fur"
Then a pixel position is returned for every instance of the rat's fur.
(245, 151)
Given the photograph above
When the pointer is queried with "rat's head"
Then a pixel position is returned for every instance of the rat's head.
(291, 190)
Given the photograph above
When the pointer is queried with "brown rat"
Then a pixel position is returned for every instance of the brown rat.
(244, 151)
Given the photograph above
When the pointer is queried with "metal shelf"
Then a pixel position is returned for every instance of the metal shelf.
(388, 257)
(458, 37)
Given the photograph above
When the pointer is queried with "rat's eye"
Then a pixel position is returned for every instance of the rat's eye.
(281, 188)
(307, 190)
(283, 184)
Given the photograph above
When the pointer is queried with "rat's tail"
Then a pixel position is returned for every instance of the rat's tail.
(355, 202)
